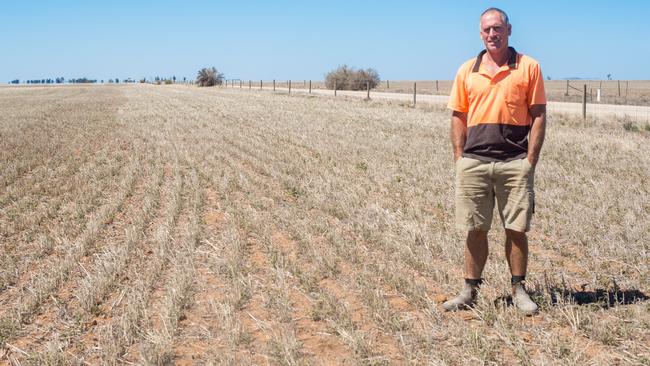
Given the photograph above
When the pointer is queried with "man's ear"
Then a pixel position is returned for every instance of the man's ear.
(509, 29)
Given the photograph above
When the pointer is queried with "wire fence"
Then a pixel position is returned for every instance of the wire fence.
(576, 99)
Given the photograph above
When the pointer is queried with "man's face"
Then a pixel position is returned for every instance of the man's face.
(494, 32)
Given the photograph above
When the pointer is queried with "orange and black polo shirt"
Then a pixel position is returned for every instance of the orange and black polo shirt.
(497, 107)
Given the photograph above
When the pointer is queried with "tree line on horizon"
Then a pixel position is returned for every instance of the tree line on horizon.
(85, 80)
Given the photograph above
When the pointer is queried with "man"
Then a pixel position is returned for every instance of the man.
(497, 130)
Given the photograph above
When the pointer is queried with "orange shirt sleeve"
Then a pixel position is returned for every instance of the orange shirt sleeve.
(458, 100)
(536, 93)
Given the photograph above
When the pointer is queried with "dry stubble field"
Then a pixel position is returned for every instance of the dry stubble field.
(172, 224)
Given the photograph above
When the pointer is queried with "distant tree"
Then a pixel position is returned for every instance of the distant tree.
(15, 81)
(174, 79)
(209, 76)
(609, 76)
(117, 80)
(349, 78)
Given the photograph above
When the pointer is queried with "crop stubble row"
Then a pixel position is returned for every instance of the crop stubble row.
(290, 230)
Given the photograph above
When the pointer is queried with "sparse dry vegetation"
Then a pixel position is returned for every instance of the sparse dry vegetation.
(216, 226)
(208, 76)
(349, 78)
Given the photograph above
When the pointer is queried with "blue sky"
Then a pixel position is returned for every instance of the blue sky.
(403, 40)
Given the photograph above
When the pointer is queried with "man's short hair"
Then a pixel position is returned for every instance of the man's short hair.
(504, 16)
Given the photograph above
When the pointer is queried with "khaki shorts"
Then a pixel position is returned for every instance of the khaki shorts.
(478, 183)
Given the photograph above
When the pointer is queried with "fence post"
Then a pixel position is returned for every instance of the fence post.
(436, 86)
(414, 92)
(584, 102)
(250, 85)
(336, 85)
(289, 86)
(619, 88)
(367, 90)
(626, 85)
(309, 86)
(387, 85)
(240, 82)
(260, 84)
(566, 93)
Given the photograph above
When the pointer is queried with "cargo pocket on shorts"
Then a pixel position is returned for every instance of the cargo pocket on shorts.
(529, 173)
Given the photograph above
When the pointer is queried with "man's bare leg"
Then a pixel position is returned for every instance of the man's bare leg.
(517, 252)
(476, 253)
(517, 256)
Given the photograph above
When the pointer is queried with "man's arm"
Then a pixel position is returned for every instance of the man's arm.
(458, 133)
(537, 132)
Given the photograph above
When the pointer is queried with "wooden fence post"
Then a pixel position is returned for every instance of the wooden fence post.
(289, 86)
(619, 88)
(436, 86)
(367, 90)
(309, 86)
(260, 84)
(250, 85)
(387, 85)
(336, 85)
(566, 93)
(584, 102)
(273, 84)
(415, 85)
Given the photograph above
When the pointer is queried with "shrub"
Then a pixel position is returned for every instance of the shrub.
(630, 126)
(349, 78)
(209, 76)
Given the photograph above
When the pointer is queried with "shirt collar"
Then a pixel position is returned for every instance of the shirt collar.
(512, 59)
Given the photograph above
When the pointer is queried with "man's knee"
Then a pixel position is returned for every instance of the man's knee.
(475, 236)
(516, 237)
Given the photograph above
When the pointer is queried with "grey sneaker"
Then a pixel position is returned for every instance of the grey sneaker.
(464, 300)
(522, 301)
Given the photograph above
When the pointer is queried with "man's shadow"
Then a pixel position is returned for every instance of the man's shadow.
(561, 295)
